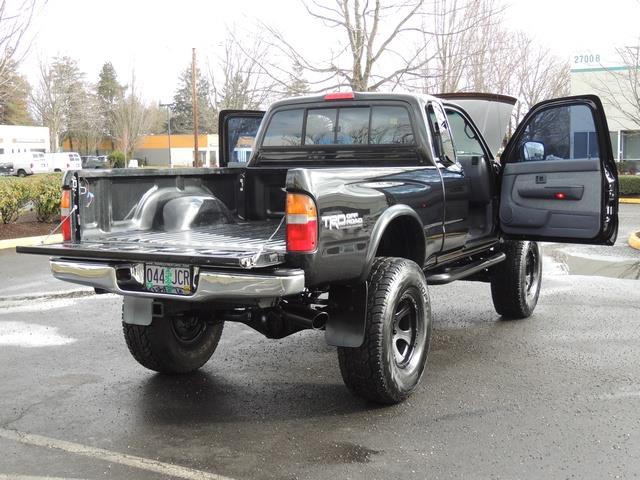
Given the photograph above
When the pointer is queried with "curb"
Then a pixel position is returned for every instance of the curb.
(29, 241)
(634, 240)
(629, 200)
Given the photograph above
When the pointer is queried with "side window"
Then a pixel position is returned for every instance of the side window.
(442, 137)
(565, 132)
(285, 129)
(391, 126)
(467, 143)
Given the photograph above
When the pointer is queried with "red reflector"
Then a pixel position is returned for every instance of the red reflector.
(65, 204)
(560, 196)
(339, 96)
(66, 229)
(302, 237)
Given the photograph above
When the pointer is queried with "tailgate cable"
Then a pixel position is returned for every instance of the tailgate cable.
(255, 258)
(57, 227)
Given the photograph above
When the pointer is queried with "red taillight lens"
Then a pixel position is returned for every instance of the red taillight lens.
(339, 96)
(302, 223)
(65, 206)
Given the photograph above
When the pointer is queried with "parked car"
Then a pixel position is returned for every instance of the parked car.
(63, 161)
(94, 161)
(25, 163)
(350, 206)
(6, 168)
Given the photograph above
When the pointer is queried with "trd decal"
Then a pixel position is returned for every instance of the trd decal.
(342, 220)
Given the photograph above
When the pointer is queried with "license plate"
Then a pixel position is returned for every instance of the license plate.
(168, 279)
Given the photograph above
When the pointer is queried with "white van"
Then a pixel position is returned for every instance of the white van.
(26, 163)
(59, 162)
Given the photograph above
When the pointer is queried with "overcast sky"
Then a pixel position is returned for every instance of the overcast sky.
(155, 37)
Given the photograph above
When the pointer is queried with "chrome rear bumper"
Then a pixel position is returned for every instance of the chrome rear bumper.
(211, 285)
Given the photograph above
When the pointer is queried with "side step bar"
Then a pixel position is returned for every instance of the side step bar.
(457, 273)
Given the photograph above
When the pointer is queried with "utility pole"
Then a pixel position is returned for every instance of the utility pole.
(194, 99)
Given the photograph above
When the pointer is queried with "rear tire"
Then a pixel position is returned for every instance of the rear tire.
(515, 282)
(174, 344)
(388, 366)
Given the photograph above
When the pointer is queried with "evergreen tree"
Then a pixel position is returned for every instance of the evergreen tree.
(14, 100)
(297, 85)
(109, 92)
(182, 108)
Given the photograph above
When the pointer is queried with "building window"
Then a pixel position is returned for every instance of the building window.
(585, 145)
(630, 140)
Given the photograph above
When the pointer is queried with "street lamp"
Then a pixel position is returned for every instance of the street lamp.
(168, 107)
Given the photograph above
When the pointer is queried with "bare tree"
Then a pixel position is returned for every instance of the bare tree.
(130, 121)
(56, 99)
(375, 47)
(15, 20)
(90, 124)
(621, 87)
(237, 78)
(538, 75)
(47, 103)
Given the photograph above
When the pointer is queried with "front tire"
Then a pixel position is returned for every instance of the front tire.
(388, 366)
(177, 343)
(515, 283)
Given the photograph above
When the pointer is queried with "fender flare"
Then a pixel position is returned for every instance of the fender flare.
(390, 214)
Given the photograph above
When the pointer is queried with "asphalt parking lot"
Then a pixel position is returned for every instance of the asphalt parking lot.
(553, 396)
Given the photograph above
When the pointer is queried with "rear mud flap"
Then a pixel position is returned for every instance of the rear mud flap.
(347, 315)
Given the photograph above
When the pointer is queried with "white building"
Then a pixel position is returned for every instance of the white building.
(602, 74)
(20, 139)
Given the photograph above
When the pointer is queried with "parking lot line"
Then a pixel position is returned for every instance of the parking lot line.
(109, 456)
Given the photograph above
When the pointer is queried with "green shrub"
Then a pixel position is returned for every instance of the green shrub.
(629, 185)
(44, 193)
(14, 195)
(116, 158)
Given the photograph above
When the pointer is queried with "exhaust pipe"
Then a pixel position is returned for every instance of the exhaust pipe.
(304, 316)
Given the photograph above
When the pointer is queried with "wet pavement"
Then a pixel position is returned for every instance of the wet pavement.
(556, 395)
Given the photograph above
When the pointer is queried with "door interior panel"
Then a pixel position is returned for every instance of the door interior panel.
(565, 203)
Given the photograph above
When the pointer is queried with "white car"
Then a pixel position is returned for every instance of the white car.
(59, 162)
(25, 163)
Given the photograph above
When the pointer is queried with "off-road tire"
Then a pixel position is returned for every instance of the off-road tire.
(158, 347)
(377, 370)
(515, 282)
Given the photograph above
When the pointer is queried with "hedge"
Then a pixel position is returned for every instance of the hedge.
(42, 191)
(629, 185)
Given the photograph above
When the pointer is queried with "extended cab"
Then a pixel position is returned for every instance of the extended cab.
(350, 205)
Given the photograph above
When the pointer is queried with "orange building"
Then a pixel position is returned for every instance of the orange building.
(153, 150)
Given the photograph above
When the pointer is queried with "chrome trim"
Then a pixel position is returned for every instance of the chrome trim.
(211, 285)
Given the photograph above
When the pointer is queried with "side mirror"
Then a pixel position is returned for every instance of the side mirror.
(533, 151)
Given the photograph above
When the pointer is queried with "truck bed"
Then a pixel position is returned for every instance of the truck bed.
(252, 244)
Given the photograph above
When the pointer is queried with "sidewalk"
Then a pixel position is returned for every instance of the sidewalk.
(30, 241)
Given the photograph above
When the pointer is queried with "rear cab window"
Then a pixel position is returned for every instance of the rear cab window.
(339, 126)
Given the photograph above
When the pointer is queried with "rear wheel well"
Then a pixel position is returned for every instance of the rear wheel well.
(403, 238)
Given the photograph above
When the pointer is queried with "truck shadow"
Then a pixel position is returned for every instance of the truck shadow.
(203, 397)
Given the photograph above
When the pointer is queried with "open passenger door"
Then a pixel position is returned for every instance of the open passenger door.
(237, 131)
(559, 179)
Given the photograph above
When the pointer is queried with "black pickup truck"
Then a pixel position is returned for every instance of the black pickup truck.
(350, 205)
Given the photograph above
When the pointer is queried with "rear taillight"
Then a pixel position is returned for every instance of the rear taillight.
(65, 218)
(302, 223)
